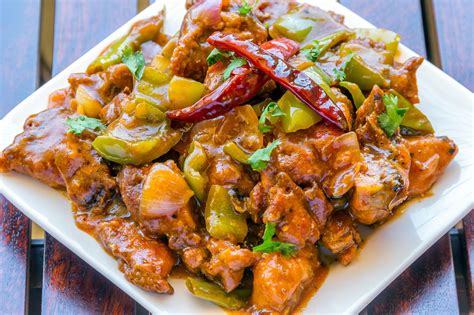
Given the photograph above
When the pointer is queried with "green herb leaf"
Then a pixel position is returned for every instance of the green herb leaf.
(246, 7)
(78, 124)
(269, 246)
(235, 63)
(313, 53)
(340, 72)
(260, 158)
(393, 116)
(271, 110)
(217, 55)
(134, 61)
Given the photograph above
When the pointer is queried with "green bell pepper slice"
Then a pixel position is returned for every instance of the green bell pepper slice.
(414, 118)
(212, 292)
(391, 39)
(129, 140)
(297, 114)
(358, 97)
(140, 32)
(194, 167)
(360, 73)
(304, 24)
(235, 152)
(222, 221)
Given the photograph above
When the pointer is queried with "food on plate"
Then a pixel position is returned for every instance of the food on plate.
(247, 148)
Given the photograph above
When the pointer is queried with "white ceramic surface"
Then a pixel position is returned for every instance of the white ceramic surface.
(389, 250)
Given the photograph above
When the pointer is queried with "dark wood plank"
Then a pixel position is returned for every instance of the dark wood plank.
(427, 287)
(429, 284)
(455, 25)
(19, 33)
(69, 284)
(14, 245)
(468, 224)
(401, 16)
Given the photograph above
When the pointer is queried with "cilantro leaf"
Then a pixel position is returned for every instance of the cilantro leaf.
(78, 124)
(134, 61)
(340, 72)
(260, 158)
(235, 63)
(217, 55)
(393, 116)
(271, 110)
(313, 53)
(246, 7)
(269, 246)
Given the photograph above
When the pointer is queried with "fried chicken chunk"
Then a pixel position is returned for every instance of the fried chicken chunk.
(201, 20)
(279, 281)
(146, 262)
(382, 182)
(429, 158)
(341, 236)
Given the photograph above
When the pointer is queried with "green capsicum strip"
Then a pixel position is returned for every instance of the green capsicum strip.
(234, 300)
(222, 221)
(413, 118)
(194, 168)
(358, 97)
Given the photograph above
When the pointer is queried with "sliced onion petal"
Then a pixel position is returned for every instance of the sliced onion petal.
(207, 12)
(164, 192)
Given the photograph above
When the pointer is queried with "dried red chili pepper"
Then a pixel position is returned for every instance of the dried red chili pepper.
(242, 86)
(276, 68)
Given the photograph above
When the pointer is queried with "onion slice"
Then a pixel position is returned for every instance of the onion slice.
(164, 192)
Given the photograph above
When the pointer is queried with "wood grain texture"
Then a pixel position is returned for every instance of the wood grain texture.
(401, 16)
(19, 54)
(455, 37)
(427, 287)
(468, 224)
(19, 57)
(429, 284)
(14, 245)
(455, 29)
(69, 284)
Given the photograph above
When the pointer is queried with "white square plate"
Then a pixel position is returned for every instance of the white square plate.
(390, 250)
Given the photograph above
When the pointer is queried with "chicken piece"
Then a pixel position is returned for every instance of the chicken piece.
(46, 151)
(288, 208)
(341, 236)
(318, 204)
(429, 158)
(279, 281)
(227, 263)
(403, 79)
(298, 155)
(379, 187)
(382, 182)
(89, 183)
(240, 125)
(112, 110)
(179, 227)
(201, 20)
(101, 86)
(33, 151)
(146, 262)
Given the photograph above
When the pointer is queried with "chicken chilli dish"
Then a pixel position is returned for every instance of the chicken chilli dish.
(259, 135)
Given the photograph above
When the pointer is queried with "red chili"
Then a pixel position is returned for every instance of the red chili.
(241, 87)
(294, 80)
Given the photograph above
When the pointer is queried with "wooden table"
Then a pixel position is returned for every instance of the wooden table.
(44, 276)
